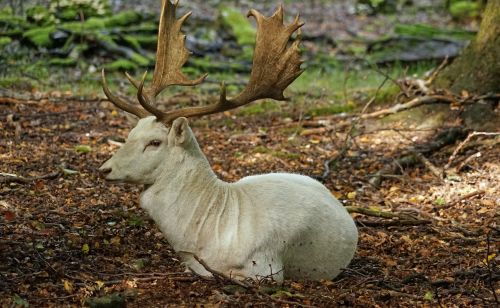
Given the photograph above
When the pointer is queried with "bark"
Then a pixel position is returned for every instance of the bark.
(477, 69)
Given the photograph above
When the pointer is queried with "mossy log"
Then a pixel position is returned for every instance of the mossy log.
(477, 69)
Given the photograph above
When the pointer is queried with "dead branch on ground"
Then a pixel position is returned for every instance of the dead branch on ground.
(13, 178)
(445, 138)
(247, 286)
(463, 143)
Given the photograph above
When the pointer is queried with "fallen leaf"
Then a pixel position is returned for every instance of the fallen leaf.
(85, 248)
(68, 286)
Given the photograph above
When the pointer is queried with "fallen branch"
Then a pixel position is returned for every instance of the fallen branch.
(463, 143)
(392, 223)
(12, 178)
(222, 276)
(462, 198)
(434, 170)
(374, 213)
(417, 101)
(443, 139)
(246, 286)
(14, 101)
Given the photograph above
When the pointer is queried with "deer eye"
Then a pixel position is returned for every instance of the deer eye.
(153, 143)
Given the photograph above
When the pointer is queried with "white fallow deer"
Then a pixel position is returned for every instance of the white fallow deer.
(287, 226)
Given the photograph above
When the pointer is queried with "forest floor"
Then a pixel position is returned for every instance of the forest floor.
(66, 235)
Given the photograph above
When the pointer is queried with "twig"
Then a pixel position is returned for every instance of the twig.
(463, 143)
(417, 101)
(245, 285)
(391, 223)
(223, 276)
(328, 163)
(14, 101)
(436, 72)
(10, 178)
(401, 87)
(434, 170)
(467, 161)
(374, 213)
(462, 198)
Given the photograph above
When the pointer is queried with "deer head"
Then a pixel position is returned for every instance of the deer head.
(160, 136)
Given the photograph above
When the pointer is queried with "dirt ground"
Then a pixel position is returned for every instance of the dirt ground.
(72, 236)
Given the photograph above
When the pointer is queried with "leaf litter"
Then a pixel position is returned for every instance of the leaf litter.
(74, 239)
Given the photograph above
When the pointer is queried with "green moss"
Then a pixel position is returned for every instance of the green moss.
(241, 28)
(258, 108)
(123, 19)
(16, 82)
(330, 109)
(146, 41)
(62, 62)
(4, 40)
(279, 154)
(132, 41)
(464, 9)
(79, 27)
(40, 36)
(385, 94)
(286, 155)
(139, 59)
(121, 65)
(40, 15)
(98, 23)
(240, 25)
(9, 20)
(428, 31)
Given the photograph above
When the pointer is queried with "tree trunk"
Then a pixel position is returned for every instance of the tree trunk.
(477, 69)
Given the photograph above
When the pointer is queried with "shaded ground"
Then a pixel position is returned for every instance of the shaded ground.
(72, 237)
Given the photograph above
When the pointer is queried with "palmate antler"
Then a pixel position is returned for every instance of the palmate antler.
(275, 66)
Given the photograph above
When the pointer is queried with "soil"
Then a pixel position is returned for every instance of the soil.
(74, 236)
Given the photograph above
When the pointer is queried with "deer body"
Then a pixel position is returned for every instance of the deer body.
(284, 225)
(280, 225)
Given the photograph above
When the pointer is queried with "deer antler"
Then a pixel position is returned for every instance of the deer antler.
(275, 66)
(171, 55)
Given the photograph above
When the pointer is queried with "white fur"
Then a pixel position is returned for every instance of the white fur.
(285, 225)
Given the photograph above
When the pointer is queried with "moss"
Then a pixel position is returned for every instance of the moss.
(286, 155)
(40, 15)
(385, 94)
(428, 31)
(16, 82)
(97, 23)
(79, 27)
(279, 154)
(121, 65)
(139, 59)
(476, 69)
(7, 19)
(40, 36)
(464, 9)
(258, 108)
(4, 40)
(62, 62)
(242, 29)
(132, 41)
(123, 19)
(330, 109)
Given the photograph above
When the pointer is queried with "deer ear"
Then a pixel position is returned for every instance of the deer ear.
(179, 132)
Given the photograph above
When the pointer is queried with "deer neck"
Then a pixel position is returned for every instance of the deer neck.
(184, 197)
